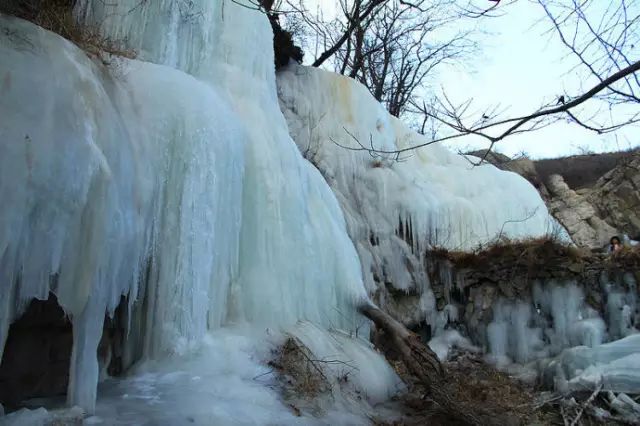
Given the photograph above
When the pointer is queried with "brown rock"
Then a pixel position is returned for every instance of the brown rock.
(576, 267)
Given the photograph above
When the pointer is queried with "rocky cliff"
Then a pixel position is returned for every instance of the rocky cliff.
(593, 196)
(616, 196)
(528, 304)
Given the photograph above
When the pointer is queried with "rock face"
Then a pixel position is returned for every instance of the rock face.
(576, 213)
(596, 211)
(37, 354)
(565, 292)
(616, 196)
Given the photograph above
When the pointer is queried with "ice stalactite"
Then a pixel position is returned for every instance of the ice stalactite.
(173, 181)
(429, 198)
(105, 174)
(289, 208)
(556, 318)
(622, 309)
(572, 345)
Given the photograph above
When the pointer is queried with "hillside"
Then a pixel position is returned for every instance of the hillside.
(594, 196)
(581, 171)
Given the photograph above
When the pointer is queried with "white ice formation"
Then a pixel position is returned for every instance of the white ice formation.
(170, 178)
(572, 346)
(173, 180)
(396, 207)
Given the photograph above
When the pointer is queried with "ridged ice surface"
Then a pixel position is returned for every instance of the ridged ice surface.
(614, 365)
(397, 206)
(573, 348)
(171, 178)
(105, 175)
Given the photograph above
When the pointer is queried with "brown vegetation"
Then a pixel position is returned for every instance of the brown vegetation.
(509, 269)
(627, 258)
(530, 255)
(452, 393)
(466, 390)
(302, 376)
(57, 16)
(581, 171)
(527, 253)
(452, 404)
(480, 386)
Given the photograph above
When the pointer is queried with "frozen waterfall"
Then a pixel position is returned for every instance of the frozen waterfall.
(172, 181)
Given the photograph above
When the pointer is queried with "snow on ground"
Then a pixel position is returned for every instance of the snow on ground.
(225, 380)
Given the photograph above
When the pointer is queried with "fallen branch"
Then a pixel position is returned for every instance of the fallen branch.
(423, 363)
(565, 420)
(586, 404)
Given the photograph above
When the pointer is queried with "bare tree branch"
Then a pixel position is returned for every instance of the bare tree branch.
(454, 119)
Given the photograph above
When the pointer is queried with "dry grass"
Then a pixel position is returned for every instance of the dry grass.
(302, 376)
(628, 258)
(528, 252)
(57, 16)
(302, 380)
(476, 384)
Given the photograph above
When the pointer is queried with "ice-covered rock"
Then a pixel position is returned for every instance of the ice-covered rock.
(614, 365)
(625, 405)
(26, 417)
(173, 180)
(448, 340)
(399, 205)
(350, 359)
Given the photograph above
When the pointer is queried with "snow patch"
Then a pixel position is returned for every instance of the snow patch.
(448, 340)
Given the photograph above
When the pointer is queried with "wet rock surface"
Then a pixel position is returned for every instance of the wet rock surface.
(36, 358)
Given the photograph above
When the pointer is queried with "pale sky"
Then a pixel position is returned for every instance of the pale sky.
(520, 67)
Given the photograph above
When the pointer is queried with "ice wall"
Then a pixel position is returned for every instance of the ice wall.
(614, 365)
(570, 343)
(396, 208)
(172, 180)
(105, 176)
(555, 318)
(290, 209)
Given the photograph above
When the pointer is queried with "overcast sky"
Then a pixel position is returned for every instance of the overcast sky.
(519, 66)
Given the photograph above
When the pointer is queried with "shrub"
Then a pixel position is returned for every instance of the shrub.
(284, 46)
(57, 16)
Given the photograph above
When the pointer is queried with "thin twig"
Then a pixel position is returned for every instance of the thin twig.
(586, 403)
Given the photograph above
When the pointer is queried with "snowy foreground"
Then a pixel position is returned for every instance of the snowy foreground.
(224, 381)
(176, 180)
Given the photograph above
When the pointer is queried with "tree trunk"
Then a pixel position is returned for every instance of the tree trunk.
(419, 358)
(424, 364)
